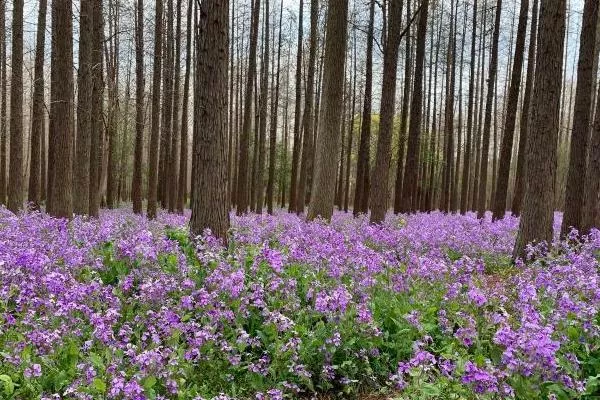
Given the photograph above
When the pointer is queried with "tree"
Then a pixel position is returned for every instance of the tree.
(591, 209)
(298, 104)
(538, 205)
(183, 165)
(409, 192)
(15, 182)
(485, 145)
(61, 110)
(38, 114)
(3, 85)
(381, 169)
(328, 139)
(138, 160)
(499, 207)
(574, 195)
(154, 134)
(167, 110)
(243, 171)
(307, 119)
(262, 128)
(363, 169)
(524, 121)
(175, 136)
(210, 208)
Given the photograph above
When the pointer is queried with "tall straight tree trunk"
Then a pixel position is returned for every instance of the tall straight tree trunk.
(210, 208)
(455, 201)
(328, 139)
(243, 170)
(466, 176)
(3, 79)
(409, 188)
(81, 197)
(485, 145)
(501, 193)
(538, 205)
(167, 111)
(449, 118)
(524, 121)
(591, 209)
(350, 128)
(183, 157)
(363, 169)
(38, 115)
(297, 146)
(381, 169)
(574, 195)
(403, 121)
(307, 119)
(480, 96)
(262, 128)
(155, 132)
(61, 109)
(15, 182)
(138, 159)
(273, 127)
(112, 63)
(175, 135)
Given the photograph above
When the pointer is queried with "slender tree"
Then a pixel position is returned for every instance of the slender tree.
(381, 168)
(138, 160)
(499, 207)
(591, 209)
(210, 207)
(175, 137)
(3, 86)
(328, 139)
(538, 205)
(574, 195)
(61, 110)
(38, 114)
(15, 183)
(262, 128)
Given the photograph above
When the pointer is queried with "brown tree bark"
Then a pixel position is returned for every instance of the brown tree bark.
(262, 128)
(210, 208)
(328, 138)
(38, 114)
(61, 110)
(155, 132)
(499, 208)
(363, 169)
(381, 169)
(307, 119)
(3, 79)
(574, 195)
(138, 160)
(173, 165)
(243, 167)
(524, 121)
(538, 205)
(591, 210)
(167, 110)
(15, 176)
(112, 67)
(183, 157)
(297, 146)
(409, 187)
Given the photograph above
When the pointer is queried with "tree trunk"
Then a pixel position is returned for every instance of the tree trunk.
(210, 208)
(499, 208)
(175, 136)
(167, 111)
(183, 157)
(243, 170)
(328, 139)
(363, 169)
(61, 110)
(538, 205)
(15, 182)
(155, 132)
(591, 209)
(409, 187)
(524, 121)
(262, 128)
(3, 136)
(574, 195)
(38, 114)
(381, 169)
(138, 161)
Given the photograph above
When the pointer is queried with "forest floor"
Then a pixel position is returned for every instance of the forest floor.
(421, 307)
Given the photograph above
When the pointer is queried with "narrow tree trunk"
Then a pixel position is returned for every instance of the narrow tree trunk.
(262, 128)
(61, 109)
(210, 208)
(175, 136)
(155, 132)
(574, 195)
(38, 115)
(381, 169)
(501, 193)
(538, 205)
(138, 160)
(328, 139)
(449, 119)
(3, 136)
(591, 209)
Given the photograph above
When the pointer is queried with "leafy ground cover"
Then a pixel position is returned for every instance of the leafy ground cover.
(422, 307)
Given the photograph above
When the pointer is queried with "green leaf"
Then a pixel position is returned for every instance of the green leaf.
(7, 382)
(430, 390)
(99, 385)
